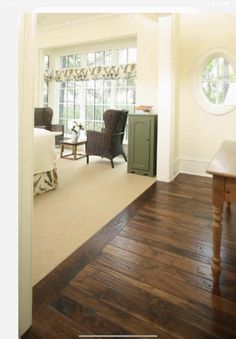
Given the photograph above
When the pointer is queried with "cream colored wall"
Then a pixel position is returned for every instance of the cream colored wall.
(143, 27)
(26, 104)
(175, 122)
(201, 133)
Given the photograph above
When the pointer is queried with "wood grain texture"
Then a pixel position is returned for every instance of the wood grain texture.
(147, 272)
(224, 162)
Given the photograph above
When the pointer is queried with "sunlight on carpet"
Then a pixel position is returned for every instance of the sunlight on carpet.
(88, 196)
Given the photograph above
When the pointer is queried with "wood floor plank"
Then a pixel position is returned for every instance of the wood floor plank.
(139, 302)
(148, 271)
(117, 316)
(206, 303)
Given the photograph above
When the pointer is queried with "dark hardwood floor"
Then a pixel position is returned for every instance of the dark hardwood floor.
(147, 272)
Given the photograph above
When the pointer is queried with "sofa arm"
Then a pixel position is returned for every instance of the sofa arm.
(58, 128)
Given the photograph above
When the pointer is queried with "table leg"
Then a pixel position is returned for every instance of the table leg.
(62, 149)
(74, 151)
(218, 199)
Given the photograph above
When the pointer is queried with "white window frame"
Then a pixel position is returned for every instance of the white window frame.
(198, 93)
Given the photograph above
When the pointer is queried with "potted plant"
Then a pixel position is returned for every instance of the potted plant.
(75, 129)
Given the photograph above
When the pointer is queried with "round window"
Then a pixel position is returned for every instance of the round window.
(216, 77)
(213, 76)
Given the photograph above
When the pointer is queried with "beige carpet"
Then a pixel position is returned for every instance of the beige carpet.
(88, 196)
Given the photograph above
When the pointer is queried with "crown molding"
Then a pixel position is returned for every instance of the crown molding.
(78, 21)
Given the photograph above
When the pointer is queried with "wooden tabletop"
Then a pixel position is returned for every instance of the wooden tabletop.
(71, 142)
(224, 162)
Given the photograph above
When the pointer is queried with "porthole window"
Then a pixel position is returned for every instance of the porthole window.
(212, 79)
(216, 77)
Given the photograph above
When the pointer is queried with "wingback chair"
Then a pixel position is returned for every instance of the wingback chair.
(43, 119)
(109, 142)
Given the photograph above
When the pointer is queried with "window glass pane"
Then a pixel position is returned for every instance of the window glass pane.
(131, 82)
(70, 111)
(90, 84)
(130, 96)
(98, 96)
(70, 84)
(122, 56)
(91, 59)
(121, 82)
(78, 84)
(78, 95)
(98, 112)
(89, 125)
(98, 83)
(77, 112)
(121, 95)
(71, 61)
(99, 58)
(89, 112)
(98, 126)
(90, 96)
(78, 60)
(46, 61)
(132, 55)
(108, 58)
(62, 95)
(215, 79)
(106, 107)
(45, 97)
(62, 110)
(64, 61)
(70, 95)
(107, 96)
(107, 83)
(120, 106)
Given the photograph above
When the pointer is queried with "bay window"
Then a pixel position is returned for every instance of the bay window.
(90, 83)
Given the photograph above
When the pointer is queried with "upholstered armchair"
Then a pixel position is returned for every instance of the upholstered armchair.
(109, 142)
(43, 119)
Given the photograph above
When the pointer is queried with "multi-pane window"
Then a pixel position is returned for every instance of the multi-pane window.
(69, 103)
(98, 99)
(100, 58)
(126, 56)
(45, 83)
(125, 94)
(70, 61)
(87, 100)
(216, 77)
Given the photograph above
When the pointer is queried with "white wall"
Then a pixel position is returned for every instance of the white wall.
(26, 104)
(201, 133)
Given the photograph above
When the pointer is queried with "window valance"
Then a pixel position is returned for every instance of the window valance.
(92, 73)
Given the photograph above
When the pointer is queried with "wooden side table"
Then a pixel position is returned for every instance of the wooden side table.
(74, 155)
(223, 169)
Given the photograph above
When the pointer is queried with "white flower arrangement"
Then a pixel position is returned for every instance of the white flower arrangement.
(76, 127)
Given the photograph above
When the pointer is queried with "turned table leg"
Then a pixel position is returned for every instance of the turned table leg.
(218, 199)
(216, 229)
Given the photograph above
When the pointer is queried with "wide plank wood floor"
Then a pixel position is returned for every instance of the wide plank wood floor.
(147, 272)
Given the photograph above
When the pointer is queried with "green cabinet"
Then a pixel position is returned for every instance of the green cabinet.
(142, 144)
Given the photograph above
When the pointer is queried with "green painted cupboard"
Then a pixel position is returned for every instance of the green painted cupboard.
(142, 144)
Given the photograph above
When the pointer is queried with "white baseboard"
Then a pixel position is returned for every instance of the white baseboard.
(190, 166)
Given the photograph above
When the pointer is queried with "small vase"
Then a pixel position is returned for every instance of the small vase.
(74, 137)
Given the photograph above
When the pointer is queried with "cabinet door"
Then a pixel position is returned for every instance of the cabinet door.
(139, 150)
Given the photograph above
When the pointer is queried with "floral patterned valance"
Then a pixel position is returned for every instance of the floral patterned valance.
(92, 73)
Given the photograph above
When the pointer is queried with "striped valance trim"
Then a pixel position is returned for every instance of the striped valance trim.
(92, 73)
